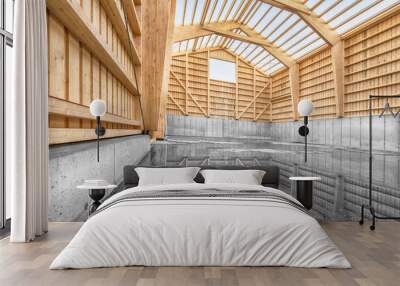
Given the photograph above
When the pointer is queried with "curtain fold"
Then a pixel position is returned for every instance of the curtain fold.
(26, 123)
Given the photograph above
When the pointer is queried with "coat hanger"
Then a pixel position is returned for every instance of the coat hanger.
(387, 108)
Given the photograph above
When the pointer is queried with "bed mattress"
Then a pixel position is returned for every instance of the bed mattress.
(201, 225)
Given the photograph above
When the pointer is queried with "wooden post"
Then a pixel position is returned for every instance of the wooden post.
(254, 94)
(186, 82)
(237, 88)
(337, 55)
(208, 83)
(294, 88)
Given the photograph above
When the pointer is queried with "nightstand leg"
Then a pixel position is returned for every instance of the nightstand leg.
(96, 195)
(305, 193)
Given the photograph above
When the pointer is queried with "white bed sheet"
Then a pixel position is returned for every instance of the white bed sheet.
(200, 232)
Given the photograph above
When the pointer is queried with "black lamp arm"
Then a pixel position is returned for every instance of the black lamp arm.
(100, 131)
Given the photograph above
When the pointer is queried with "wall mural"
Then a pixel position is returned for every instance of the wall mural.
(338, 153)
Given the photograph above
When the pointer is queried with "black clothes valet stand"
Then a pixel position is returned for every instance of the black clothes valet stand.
(369, 206)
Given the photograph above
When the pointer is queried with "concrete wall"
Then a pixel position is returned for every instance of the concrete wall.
(214, 127)
(70, 165)
(338, 153)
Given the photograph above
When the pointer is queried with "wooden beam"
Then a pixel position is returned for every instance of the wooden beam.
(236, 87)
(117, 18)
(229, 34)
(208, 84)
(66, 108)
(177, 104)
(294, 79)
(71, 16)
(160, 133)
(132, 16)
(275, 51)
(188, 94)
(252, 101)
(69, 135)
(311, 18)
(188, 32)
(337, 56)
(158, 17)
(262, 111)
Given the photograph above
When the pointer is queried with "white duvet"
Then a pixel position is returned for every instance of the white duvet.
(192, 231)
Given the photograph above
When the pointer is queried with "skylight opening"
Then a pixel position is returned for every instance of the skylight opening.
(189, 12)
(276, 24)
(283, 28)
(222, 70)
(340, 8)
(298, 38)
(233, 11)
(324, 6)
(298, 28)
(199, 10)
(258, 15)
(351, 12)
(251, 48)
(179, 12)
(227, 10)
(265, 21)
(303, 44)
(252, 12)
(366, 16)
(275, 68)
(309, 48)
(241, 48)
(311, 3)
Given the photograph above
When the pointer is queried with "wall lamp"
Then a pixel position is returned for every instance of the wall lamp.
(98, 109)
(305, 107)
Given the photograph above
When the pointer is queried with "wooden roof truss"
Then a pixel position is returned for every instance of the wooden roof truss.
(269, 34)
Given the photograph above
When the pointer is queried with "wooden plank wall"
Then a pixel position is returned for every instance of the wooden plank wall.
(372, 67)
(192, 92)
(317, 84)
(76, 76)
(281, 97)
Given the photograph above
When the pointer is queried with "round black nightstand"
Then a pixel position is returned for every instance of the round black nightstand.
(304, 190)
(96, 193)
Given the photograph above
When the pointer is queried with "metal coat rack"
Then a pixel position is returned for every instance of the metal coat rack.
(369, 206)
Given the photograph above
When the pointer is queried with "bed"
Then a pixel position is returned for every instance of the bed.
(199, 224)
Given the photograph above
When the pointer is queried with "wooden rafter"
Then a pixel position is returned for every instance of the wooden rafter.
(311, 18)
(227, 33)
(118, 20)
(132, 16)
(224, 29)
(183, 33)
(273, 50)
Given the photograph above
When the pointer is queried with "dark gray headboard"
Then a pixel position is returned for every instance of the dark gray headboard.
(271, 177)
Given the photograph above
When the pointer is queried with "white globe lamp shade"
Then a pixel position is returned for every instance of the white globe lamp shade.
(98, 107)
(305, 107)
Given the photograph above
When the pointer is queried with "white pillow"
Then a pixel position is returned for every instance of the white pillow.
(166, 176)
(248, 177)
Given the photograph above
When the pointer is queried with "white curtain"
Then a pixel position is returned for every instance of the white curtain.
(26, 123)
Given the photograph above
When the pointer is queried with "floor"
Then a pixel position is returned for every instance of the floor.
(375, 257)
